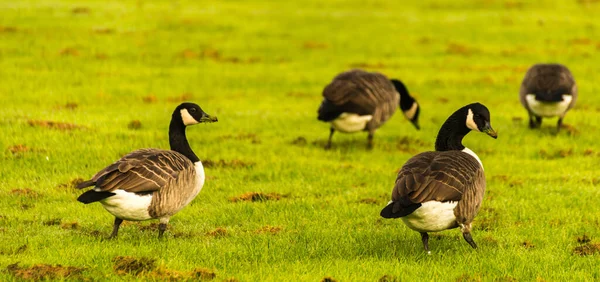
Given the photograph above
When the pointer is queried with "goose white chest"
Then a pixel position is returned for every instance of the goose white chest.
(349, 122)
(548, 109)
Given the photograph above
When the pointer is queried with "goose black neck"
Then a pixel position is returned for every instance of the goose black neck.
(452, 133)
(178, 140)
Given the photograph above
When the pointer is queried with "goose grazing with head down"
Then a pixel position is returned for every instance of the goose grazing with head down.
(439, 190)
(357, 100)
(548, 90)
(152, 183)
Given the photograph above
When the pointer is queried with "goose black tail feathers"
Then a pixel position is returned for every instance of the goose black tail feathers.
(93, 196)
(396, 210)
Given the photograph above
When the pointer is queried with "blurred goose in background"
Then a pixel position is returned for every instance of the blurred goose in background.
(357, 100)
(152, 183)
(548, 90)
(440, 190)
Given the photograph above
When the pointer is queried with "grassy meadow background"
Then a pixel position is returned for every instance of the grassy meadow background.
(84, 82)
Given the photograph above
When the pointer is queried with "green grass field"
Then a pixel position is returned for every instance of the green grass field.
(76, 75)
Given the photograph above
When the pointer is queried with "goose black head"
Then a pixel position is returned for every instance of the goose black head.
(477, 117)
(409, 106)
(191, 114)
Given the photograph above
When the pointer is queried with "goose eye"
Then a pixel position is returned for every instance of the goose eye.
(193, 110)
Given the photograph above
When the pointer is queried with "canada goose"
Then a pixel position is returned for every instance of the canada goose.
(152, 183)
(439, 190)
(548, 90)
(357, 100)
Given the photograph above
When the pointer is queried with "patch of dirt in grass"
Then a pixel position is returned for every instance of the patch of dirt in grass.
(235, 164)
(268, 229)
(101, 56)
(80, 10)
(582, 41)
(362, 65)
(299, 141)
(8, 29)
(231, 279)
(129, 265)
(314, 45)
(468, 278)
(527, 245)
(328, 279)
(153, 226)
(514, 5)
(409, 145)
(104, 30)
(388, 278)
(20, 150)
(243, 136)
(588, 152)
(53, 221)
(583, 239)
(69, 51)
(181, 98)
(443, 100)
(72, 183)
(461, 49)
(198, 274)
(424, 40)
(256, 197)
(587, 249)
(215, 55)
(70, 225)
(559, 154)
(45, 272)
(134, 125)
(204, 274)
(218, 232)
(53, 124)
(370, 201)
(517, 119)
(149, 99)
(16, 251)
(188, 54)
(26, 207)
(571, 130)
(25, 192)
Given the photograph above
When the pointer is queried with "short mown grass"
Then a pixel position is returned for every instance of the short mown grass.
(82, 83)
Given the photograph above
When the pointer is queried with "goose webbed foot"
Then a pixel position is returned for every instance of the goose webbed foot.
(559, 124)
(535, 121)
(370, 141)
(161, 229)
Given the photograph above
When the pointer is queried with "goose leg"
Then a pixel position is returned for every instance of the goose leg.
(162, 226)
(331, 131)
(559, 124)
(116, 226)
(425, 239)
(469, 239)
(370, 141)
(534, 121)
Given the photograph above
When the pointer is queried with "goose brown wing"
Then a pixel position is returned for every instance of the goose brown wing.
(360, 92)
(438, 176)
(144, 170)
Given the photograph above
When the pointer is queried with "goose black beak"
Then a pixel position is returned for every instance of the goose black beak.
(416, 124)
(207, 118)
(487, 129)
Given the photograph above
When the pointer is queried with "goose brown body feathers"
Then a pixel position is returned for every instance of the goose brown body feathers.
(547, 90)
(443, 189)
(357, 100)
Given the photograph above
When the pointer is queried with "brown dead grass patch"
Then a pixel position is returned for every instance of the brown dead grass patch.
(25, 192)
(314, 45)
(388, 278)
(70, 225)
(362, 65)
(129, 265)
(215, 55)
(134, 125)
(20, 150)
(253, 138)
(583, 239)
(587, 249)
(8, 29)
(558, 154)
(218, 232)
(582, 41)
(268, 230)
(69, 52)
(104, 30)
(256, 197)
(235, 164)
(80, 10)
(54, 124)
(328, 279)
(571, 130)
(299, 141)
(443, 100)
(16, 251)
(468, 278)
(44, 272)
(370, 201)
(72, 183)
(588, 152)
(53, 221)
(461, 49)
(527, 245)
(150, 99)
(187, 96)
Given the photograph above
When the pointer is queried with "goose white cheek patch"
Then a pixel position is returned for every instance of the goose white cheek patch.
(187, 118)
(470, 122)
(410, 113)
